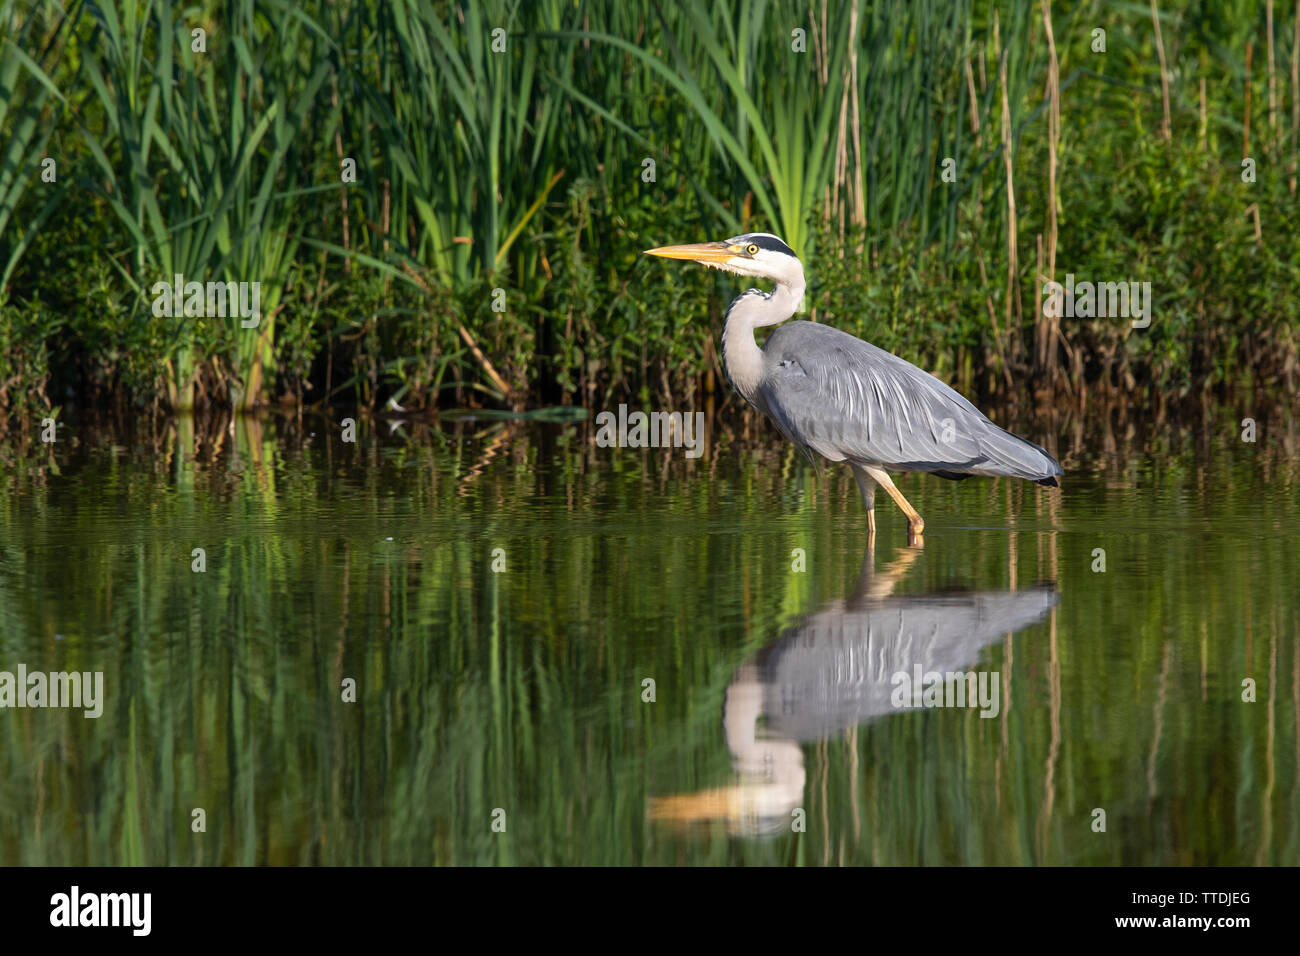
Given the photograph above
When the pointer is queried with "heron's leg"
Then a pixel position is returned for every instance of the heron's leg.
(915, 524)
(867, 485)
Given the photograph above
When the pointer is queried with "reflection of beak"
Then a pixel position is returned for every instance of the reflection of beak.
(706, 252)
(720, 804)
(747, 809)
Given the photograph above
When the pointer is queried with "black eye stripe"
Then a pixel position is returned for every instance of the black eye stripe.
(769, 243)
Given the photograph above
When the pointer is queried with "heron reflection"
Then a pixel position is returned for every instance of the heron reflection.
(840, 667)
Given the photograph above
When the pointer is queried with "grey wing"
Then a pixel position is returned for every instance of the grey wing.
(846, 399)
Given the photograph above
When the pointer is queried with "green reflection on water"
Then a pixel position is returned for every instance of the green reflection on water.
(523, 690)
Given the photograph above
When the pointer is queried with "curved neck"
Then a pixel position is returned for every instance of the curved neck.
(742, 359)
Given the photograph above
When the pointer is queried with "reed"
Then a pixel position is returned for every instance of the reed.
(198, 165)
(517, 161)
(31, 110)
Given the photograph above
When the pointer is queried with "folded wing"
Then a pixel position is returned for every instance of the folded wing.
(847, 400)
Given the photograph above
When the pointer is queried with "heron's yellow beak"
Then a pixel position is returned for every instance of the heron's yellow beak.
(706, 252)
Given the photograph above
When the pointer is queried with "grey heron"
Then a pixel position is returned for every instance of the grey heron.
(834, 395)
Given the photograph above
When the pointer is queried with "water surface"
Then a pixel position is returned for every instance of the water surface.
(506, 596)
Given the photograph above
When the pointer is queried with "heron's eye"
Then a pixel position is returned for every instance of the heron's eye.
(752, 250)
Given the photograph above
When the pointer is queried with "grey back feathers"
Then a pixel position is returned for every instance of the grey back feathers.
(847, 400)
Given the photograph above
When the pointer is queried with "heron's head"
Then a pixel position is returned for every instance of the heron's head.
(758, 254)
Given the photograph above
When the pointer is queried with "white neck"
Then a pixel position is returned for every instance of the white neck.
(741, 357)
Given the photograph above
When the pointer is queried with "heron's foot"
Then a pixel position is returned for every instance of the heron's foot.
(915, 525)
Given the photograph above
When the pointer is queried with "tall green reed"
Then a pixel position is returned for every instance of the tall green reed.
(196, 150)
(31, 106)
(514, 161)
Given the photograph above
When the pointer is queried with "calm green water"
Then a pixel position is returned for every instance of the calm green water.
(771, 737)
